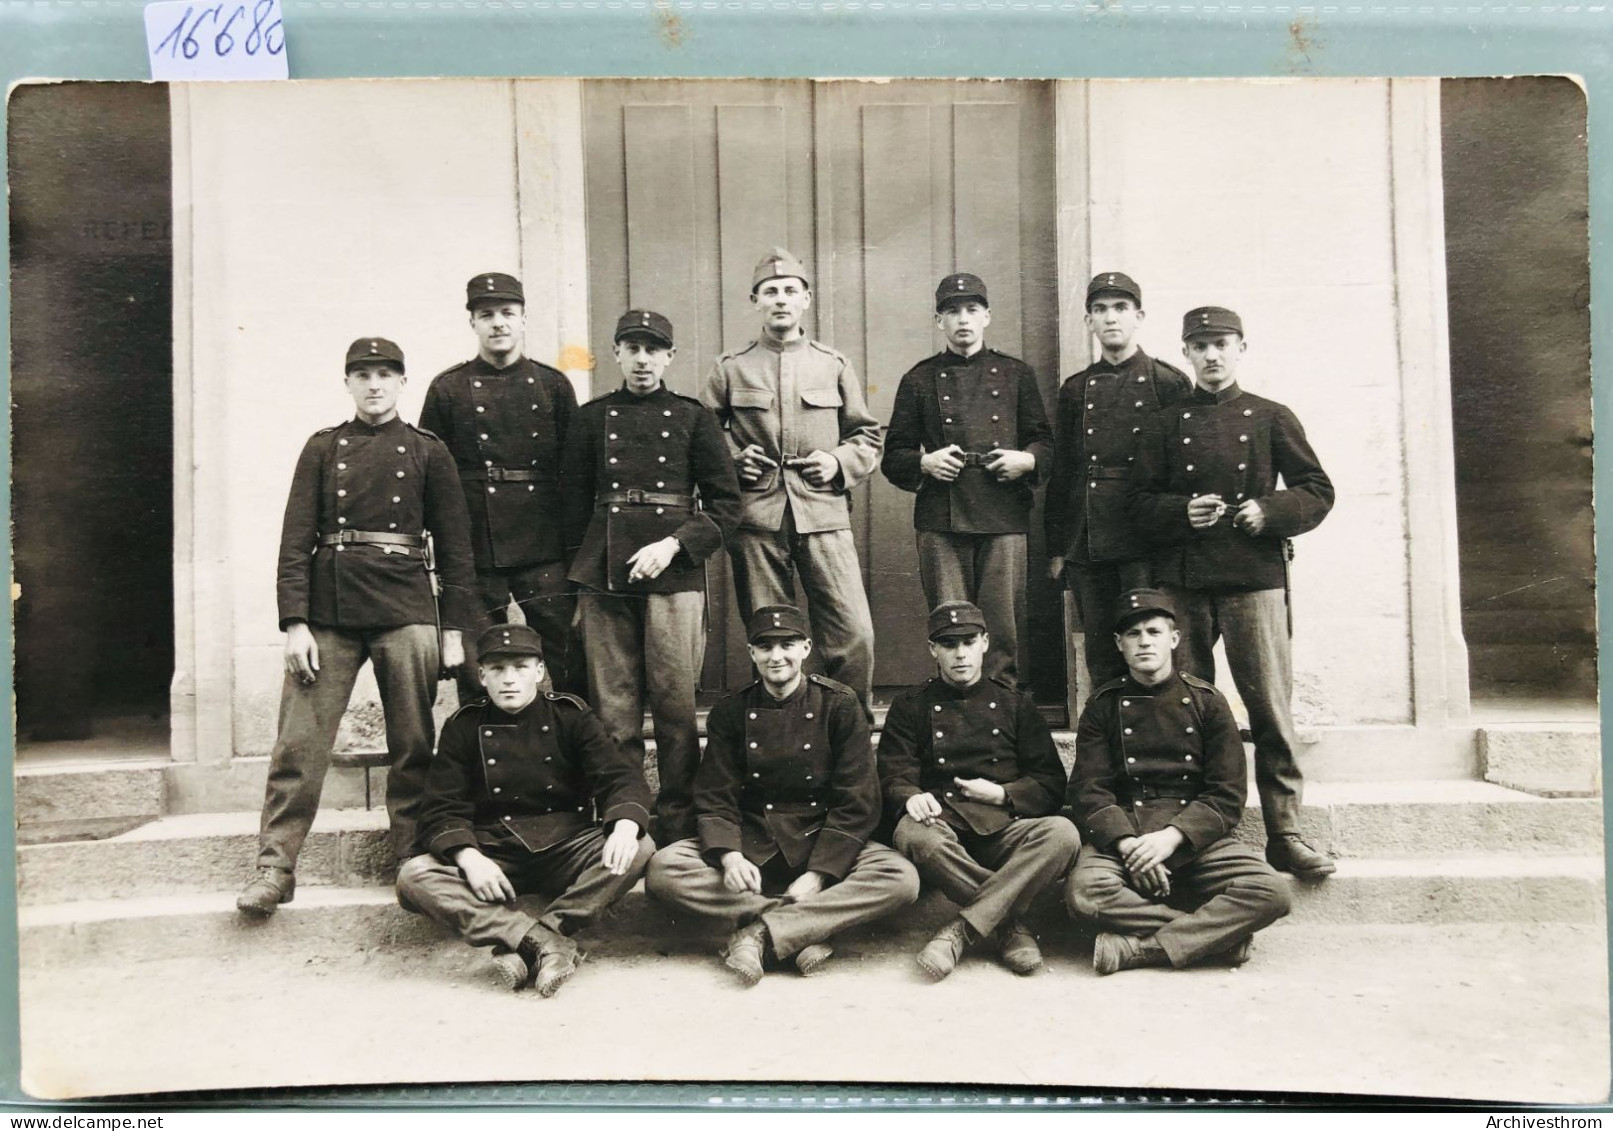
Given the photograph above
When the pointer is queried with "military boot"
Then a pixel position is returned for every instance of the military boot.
(1018, 949)
(557, 962)
(745, 951)
(1286, 852)
(514, 967)
(941, 954)
(1112, 953)
(266, 891)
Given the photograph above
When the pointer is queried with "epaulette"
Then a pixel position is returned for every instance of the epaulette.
(454, 368)
(685, 397)
(830, 350)
(426, 432)
(1113, 685)
(328, 431)
(731, 354)
(1195, 681)
(1163, 364)
(606, 395)
(565, 697)
(831, 684)
(479, 701)
(1005, 683)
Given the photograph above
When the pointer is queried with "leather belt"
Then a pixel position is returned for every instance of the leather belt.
(504, 475)
(1108, 473)
(371, 538)
(1147, 791)
(652, 498)
(785, 796)
(976, 459)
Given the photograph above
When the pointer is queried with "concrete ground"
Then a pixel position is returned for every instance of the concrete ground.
(1482, 1011)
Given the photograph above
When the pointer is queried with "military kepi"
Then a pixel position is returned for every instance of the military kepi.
(367, 350)
(958, 286)
(1140, 604)
(644, 324)
(776, 622)
(1116, 282)
(509, 640)
(1211, 320)
(778, 264)
(956, 618)
(495, 286)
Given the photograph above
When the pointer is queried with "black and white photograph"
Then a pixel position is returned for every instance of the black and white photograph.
(1062, 583)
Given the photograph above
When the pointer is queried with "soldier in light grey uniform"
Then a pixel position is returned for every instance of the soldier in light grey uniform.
(802, 439)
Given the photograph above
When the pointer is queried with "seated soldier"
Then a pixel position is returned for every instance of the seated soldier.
(974, 782)
(785, 800)
(1159, 785)
(510, 808)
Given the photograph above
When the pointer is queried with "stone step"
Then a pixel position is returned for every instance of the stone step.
(87, 799)
(328, 921)
(1548, 759)
(348, 847)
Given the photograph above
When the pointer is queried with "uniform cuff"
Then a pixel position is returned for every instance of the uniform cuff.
(718, 834)
(834, 853)
(628, 811)
(451, 840)
(1108, 825)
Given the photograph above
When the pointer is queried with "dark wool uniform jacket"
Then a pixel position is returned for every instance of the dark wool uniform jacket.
(496, 420)
(1101, 416)
(1149, 757)
(662, 444)
(935, 732)
(542, 775)
(793, 777)
(1233, 444)
(388, 479)
(982, 402)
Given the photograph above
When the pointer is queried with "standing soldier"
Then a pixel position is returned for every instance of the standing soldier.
(1159, 787)
(504, 417)
(527, 793)
(1102, 412)
(802, 439)
(355, 585)
(1205, 491)
(974, 783)
(787, 797)
(649, 496)
(969, 434)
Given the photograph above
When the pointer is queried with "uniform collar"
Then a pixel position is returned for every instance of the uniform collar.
(364, 429)
(1221, 396)
(951, 356)
(1133, 364)
(769, 342)
(979, 687)
(496, 714)
(1132, 686)
(485, 368)
(763, 698)
(622, 395)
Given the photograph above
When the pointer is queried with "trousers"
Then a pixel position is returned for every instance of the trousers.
(407, 661)
(1254, 628)
(1097, 588)
(572, 872)
(766, 563)
(991, 878)
(650, 645)
(879, 882)
(544, 596)
(988, 570)
(1232, 890)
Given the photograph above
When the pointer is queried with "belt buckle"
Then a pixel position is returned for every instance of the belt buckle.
(635, 494)
(346, 537)
(974, 459)
(495, 474)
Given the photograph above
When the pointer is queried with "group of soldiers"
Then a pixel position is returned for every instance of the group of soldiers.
(405, 545)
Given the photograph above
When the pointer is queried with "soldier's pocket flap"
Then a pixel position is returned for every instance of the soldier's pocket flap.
(823, 396)
(751, 398)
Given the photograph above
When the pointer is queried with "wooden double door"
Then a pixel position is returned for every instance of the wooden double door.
(881, 188)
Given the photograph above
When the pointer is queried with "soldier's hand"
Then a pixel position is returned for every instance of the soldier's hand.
(819, 468)
(1156, 881)
(1204, 511)
(753, 463)
(981, 789)
(1250, 518)
(650, 561)
(924, 808)
(739, 874)
(806, 885)
(485, 878)
(943, 463)
(302, 652)
(1055, 568)
(1008, 465)
(621, 848)
(453, 650)
(1151, 849)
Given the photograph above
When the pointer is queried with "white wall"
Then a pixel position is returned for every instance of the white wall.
(1274, 199)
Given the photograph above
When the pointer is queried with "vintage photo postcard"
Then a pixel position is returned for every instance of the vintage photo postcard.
(1043, 583)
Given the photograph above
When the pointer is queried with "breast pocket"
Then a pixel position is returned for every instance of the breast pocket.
(820, 425)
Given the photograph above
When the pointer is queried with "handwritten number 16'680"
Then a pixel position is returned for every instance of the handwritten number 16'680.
(260, 36)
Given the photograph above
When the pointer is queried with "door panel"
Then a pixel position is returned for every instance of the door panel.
(882, 188)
